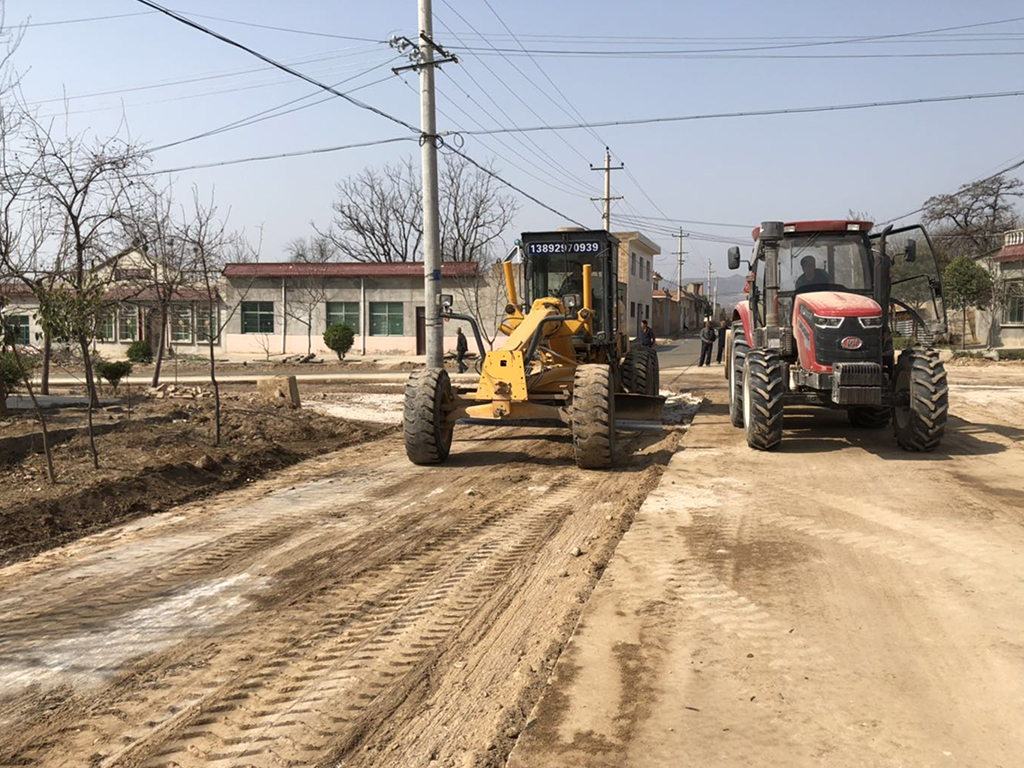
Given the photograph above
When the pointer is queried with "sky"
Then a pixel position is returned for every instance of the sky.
(727, 174)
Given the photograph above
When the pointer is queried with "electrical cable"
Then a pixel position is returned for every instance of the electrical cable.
(274, 63)
(752, 113)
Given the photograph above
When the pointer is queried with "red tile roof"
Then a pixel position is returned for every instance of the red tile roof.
(346, 269)
(1011, 252)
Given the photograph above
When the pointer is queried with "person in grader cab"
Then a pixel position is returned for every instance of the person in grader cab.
(811, 275)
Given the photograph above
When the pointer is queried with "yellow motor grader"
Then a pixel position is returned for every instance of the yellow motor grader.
(567, 360)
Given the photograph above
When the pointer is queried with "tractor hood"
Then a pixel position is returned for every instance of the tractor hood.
(836, 304)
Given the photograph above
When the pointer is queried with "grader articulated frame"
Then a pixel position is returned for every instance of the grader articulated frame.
(566, 361)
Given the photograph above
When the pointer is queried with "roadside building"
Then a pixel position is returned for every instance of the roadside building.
(1003, 324)
(285, 307)
(636, 271)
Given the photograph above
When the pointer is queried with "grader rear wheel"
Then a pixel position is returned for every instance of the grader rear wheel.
(593, 417)
(428, 430)
(640, 371)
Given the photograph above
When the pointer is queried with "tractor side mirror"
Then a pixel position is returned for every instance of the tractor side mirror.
(910, 254)
(734, 258)
(527, 268)
(445, 301)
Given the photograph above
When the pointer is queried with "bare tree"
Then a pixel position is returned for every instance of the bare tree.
(314, 250)
(971, 221)
(378, 216)
(213, 246)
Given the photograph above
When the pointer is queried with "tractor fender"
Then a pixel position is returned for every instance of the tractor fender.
(742, 313)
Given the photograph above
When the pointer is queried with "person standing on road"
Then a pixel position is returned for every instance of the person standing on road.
(721, 341)
(707, 343)
(461, 348)
(646, 334)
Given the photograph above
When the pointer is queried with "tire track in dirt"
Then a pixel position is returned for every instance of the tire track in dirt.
(347, 598)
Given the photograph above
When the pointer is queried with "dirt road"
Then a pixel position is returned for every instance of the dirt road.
(356, 609)
(836, 603)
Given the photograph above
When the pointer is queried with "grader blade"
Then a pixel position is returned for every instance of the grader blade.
(638, 412)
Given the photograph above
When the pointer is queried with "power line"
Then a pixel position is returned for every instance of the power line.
(753, 113)
(274, 63)
(80, 21)
(834, 41)
(299, 153)
(289, 29)
(479, 52)
(510, 185)
(265, 114)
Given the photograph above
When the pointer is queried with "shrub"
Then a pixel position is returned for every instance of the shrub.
(339, 337)
(113, 371)
(901, 342)
(9, 373)
(140, 352)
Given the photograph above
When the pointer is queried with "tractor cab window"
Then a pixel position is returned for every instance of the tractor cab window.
(916, 294)
(825, 262)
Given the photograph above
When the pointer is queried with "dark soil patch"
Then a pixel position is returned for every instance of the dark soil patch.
(154, 463)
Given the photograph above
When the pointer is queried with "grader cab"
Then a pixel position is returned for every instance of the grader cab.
(567, 360)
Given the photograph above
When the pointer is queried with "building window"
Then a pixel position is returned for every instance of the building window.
(647, 311)
(205, 321)
(17, 326)
(632, 309)
(387, 318)
(105, 327)
(128, 324)
(343, 312)
(257, 317)
(1013, 308)
(632, 263)
(181, 325)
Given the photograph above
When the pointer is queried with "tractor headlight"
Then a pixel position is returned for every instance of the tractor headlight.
(828, 322)
(870, 322)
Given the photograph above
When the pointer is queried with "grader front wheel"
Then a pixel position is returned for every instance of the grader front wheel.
(593, 417)
(428, 430)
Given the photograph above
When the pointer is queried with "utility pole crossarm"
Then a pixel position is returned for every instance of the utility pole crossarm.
(607, 168)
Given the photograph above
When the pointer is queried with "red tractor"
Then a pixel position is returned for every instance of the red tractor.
(824, 301)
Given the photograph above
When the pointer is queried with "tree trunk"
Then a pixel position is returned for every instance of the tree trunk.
(50, 474)
(44, 387)
(94, 401)
(963, 333)
(161, 345)
(216, 392)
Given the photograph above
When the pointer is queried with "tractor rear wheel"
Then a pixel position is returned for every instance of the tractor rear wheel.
(763, 392)
(869, 417)
(640, 371)
(921, 396)
(734, 373)
(428, 430)
(593, 417)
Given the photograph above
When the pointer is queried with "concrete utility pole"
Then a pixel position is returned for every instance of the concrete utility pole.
(707, 291)
(607, 168)
(679, 276)
(431, 216)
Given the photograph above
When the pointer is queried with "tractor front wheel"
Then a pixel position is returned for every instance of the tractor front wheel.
(763, 393)
(593, 417)
(734, 373)
(428, 429)
(921, 397)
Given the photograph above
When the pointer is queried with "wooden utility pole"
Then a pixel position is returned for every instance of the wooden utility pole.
(607, 199)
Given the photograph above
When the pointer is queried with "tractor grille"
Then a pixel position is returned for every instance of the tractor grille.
(828, 349)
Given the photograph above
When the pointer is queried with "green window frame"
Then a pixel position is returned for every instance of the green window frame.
(343, 312)
(18, 326)
(207, 322)
(181, 324)
(1013, 307)
(257, 317)
(105, 330)
(128, 323)
(387, 318)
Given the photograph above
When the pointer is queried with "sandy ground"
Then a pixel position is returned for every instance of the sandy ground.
(354, 610)
(836, 603)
